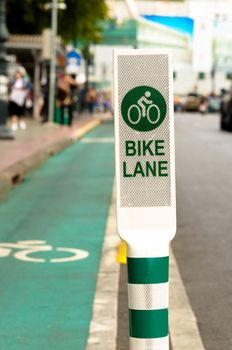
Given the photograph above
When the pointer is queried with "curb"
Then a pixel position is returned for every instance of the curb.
(15, 173)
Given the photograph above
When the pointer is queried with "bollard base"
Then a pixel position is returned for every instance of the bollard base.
(148, 297)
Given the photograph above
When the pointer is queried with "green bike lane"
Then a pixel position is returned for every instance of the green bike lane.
(65, 203)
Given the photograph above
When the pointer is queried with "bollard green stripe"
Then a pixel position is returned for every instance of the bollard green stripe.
(147, 324)
(148, 270)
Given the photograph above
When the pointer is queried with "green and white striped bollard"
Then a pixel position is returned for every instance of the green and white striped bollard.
(148, 299)
(145, 186)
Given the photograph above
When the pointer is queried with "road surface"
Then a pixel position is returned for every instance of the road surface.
(45, 297)
(48, 304)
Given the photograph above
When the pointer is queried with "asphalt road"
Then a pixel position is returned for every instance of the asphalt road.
(203, 245)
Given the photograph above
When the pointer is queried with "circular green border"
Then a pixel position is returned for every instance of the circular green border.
(132, 97)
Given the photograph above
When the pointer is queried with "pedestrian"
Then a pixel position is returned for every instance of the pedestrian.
(203, 108)
(91, 99)
(65, 98)
(45, 98)
(82, 98)
(18, 94)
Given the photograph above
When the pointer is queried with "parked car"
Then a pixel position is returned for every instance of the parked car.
(192, 102)
(226, 112)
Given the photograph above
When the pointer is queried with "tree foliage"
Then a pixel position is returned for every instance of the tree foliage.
(82, 18)
(26, 16)
(79, 21)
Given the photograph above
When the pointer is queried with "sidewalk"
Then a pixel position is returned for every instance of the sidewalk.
(34, 145)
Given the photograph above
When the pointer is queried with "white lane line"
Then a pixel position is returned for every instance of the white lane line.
(97, 140)
(184, 332)
(103, 327)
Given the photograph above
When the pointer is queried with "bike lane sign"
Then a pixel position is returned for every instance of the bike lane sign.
(144, 142)
(143, 108)
(145, 187)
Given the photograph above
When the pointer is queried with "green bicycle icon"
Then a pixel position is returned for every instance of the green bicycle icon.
(141, 110)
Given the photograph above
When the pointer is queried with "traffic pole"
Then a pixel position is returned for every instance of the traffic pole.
(145, 187)
(52, 84)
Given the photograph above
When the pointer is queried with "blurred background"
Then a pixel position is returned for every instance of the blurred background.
(55, 89)
(198, 33)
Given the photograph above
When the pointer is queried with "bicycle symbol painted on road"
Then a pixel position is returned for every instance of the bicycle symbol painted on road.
(143, 108)
(23, 250)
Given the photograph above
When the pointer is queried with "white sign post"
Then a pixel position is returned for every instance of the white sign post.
(145, 183)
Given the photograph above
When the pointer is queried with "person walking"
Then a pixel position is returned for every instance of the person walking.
(91, 99)
(45, 98)
(65, 98)
(18, 94)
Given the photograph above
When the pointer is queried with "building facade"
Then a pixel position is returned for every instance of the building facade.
(201, 55)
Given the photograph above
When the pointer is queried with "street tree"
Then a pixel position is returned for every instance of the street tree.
(79, 21)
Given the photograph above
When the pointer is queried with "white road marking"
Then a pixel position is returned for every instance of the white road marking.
(184, 332)
(183, 328)
(98, 140)
(4, 252)
(106, 296)
(24, 256)
(26, 248)
(99, 327)
(78, 254)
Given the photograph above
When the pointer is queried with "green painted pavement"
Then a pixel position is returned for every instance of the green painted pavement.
(49, 306)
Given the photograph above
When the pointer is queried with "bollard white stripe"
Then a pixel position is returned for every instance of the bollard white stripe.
(149, 344)
(146, 249)
(148, 296)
